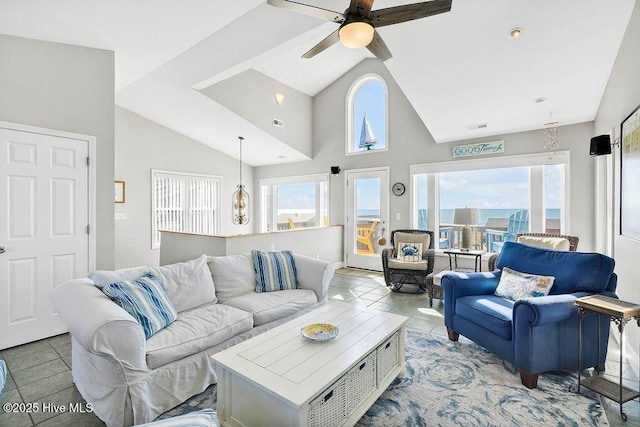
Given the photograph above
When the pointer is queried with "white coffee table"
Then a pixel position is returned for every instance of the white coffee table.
(280, 378)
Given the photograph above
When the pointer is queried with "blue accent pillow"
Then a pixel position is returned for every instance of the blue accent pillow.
(275, 271)
(146, 300)
(3, 375)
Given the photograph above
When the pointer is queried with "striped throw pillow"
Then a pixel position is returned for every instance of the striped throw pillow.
(3, 374)
(146, 300)
(275, 271)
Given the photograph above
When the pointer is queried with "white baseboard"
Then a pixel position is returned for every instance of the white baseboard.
(339, 264)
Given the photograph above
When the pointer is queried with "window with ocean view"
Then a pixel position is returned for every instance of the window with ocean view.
(294, 202)
(367, 115)
(496, 202)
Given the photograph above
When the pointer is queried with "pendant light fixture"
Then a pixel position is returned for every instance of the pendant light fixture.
(240, 199)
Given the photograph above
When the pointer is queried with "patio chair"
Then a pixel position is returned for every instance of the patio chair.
(363, 236)
(518, 223)
(398, 273)
(445, 232)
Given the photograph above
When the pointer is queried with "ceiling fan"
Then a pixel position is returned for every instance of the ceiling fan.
(358, 23)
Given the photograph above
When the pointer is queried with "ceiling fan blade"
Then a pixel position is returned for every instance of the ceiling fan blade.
(305, 9)
(360, 7)
(328, 41)
(409, 12)
(379, 48)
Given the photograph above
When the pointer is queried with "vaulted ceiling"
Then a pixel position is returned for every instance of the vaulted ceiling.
(458, 69)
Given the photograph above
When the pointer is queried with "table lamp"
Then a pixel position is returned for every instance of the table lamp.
(464, 217)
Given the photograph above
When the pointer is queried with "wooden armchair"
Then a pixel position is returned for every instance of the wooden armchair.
(363, 236)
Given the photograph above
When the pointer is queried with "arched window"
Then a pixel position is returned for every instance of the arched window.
(367, 115)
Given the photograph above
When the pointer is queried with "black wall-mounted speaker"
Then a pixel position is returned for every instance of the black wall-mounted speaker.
(335, 170)
(600, 145)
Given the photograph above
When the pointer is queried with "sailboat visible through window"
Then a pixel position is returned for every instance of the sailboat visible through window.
(367, 115)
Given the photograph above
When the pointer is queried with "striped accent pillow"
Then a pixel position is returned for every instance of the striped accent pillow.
(146, 300)
(275, 271)
(3, 374)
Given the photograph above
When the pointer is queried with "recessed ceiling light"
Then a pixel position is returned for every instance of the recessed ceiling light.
(477, 126)
(515, 33)
(539, 100)
(281, 156)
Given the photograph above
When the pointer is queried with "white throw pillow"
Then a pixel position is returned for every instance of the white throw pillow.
(410, 252)
(234, 275)
(515, 285)
(103, 278)
(189, 284)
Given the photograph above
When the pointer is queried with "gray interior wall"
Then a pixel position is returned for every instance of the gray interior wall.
(621, 97)
(250, 95)
(411, 143)
(67, 88)
(142, 145)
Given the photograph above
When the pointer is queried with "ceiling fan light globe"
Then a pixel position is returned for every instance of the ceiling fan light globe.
(356, 34)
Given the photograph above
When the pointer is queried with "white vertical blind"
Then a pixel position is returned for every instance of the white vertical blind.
(184, 202)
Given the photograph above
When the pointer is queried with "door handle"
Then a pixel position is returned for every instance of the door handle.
(2, 250)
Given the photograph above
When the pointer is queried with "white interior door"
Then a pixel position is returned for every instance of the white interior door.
(44, 217)
(366, 217)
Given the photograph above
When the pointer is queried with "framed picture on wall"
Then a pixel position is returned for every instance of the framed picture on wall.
(119, 191)
(630, 176)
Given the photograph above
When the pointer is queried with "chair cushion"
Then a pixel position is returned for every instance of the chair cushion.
(574, 271)
(146, 300)
(275, 271)
(196, 330)
(423, 238)
(557, 243)
(406, 265)
(409, 252)
(188, 284)
(514, 285)
(233, 275)
(268, 306)
(488, 311)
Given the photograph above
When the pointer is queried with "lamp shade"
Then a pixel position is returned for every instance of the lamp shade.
(466, 216)
(356, 34)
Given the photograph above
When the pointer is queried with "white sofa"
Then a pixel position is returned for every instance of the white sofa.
(131, 380)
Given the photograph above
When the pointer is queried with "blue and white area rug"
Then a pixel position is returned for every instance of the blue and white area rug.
(453, 384)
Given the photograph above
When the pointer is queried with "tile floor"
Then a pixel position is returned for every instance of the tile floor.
(40, 371)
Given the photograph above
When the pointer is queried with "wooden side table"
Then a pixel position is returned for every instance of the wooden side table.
(620, 312)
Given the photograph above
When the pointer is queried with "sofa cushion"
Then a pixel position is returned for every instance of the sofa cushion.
(233, 275)
(515, 285)
(488, 311)
(268, 306)
(196, 330)
(595, 269)
(423, 238)
(146, 300)
(557, 243)
(275, 271)
(408, 265)
(188, 284)
(103, 278)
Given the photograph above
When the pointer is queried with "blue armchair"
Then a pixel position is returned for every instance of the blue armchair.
(535, 334)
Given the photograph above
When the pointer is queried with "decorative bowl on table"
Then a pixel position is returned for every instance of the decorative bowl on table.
(320, 331)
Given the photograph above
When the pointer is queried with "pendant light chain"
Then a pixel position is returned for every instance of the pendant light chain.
(241, 139)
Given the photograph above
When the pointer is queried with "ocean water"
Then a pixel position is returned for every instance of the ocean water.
(446, 215)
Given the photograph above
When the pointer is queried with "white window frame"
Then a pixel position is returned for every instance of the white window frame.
(217, 187)
(536, 191)
(351, 127)
(300, 179)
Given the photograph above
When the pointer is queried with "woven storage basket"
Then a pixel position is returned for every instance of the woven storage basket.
(329, 409)
(387, 357)
(361, 381)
